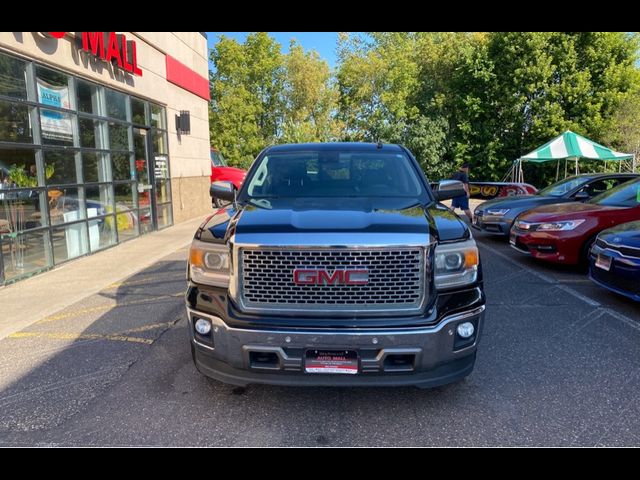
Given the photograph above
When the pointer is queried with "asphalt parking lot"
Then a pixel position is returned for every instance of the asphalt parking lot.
(557, 365)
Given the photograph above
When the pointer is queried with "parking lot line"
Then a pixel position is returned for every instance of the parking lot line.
(567, 289)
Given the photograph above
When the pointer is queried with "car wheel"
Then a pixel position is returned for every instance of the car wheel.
(584, 253)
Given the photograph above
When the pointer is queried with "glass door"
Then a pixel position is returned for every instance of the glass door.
(144, 175)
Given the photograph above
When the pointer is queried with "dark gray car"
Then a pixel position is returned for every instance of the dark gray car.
(497, 216)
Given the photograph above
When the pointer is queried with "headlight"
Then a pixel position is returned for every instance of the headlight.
(497, 211)
(456, 264)
(559, 226)
(209, 263)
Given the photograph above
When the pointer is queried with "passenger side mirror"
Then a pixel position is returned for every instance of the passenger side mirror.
(581, 196)
(449, 189)
(222, 191)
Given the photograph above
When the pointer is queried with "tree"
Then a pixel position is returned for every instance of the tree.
(246, 96)
(310, 98)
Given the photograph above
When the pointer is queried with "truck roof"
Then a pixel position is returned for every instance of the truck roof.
(334, 146)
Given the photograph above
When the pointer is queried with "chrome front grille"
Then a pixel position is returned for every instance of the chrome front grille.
(396, 279)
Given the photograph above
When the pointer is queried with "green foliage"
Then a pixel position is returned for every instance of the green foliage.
(310, 99)
(483, 98)
(260, 97)
(24, 179)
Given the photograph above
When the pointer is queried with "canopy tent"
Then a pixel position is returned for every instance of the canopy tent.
(568, 146)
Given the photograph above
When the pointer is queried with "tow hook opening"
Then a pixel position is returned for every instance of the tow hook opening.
(399, 363)
(264, 360)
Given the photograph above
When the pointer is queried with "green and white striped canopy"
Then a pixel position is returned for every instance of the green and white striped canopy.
(573, 146)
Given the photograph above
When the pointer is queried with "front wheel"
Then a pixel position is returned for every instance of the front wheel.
(584, 253)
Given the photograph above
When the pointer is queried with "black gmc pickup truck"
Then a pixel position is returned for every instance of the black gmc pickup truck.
(335, 265)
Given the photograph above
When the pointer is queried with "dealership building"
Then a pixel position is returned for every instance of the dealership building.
(104, 136)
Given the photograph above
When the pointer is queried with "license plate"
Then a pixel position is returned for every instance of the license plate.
(331, 361)
(512, 239)
(603, 262)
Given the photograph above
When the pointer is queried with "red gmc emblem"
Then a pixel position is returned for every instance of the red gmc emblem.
(337, 277)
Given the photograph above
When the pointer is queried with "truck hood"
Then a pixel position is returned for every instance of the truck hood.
(564, 211)
(328, 220)
(366, 215)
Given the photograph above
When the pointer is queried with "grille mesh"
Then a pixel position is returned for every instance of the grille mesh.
(396, 278)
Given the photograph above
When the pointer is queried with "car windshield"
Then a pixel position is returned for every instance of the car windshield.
(558, 189)
(624, 195)
(335, 174)
(217, 159)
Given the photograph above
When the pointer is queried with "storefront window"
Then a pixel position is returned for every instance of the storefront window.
(126, 197)
(92, 133)
(138, 113)
(60, 167)
(118, 136)
(75, 182)
(127, 224)
(146, 221)
(159, 142)
(102, 233)
(15, 122)
(53, 88)
(70, 241)
(157, 116)
(122, 166)
(24, 254)
(116, 104)
(56, 127)
(88, 97)
(13, 79)
(18, 168)
(65, 205)
(95, 167)
(99, 199)
(164, 216)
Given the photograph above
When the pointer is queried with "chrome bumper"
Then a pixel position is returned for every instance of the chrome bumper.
(428, 346)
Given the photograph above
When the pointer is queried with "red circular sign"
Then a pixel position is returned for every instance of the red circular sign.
(57, 34)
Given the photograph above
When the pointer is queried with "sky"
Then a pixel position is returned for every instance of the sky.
(324, 43)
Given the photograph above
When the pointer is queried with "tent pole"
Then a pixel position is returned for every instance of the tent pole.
(558, 170)
(565, 168)
(576, 165)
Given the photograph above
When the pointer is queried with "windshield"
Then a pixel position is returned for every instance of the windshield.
(625, 195)
(335, 174)
(217, 159)
(558, 189)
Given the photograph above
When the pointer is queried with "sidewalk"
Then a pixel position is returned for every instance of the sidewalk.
(27, 301)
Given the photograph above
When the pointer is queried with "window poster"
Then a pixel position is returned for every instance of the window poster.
(55, 125)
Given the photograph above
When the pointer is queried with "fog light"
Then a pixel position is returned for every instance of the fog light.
(203, 327)
(466, 329)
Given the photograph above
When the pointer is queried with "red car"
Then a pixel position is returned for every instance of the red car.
(563, 233)
(221, 172)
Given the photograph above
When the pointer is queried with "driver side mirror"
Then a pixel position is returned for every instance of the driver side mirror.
(222, 191)
(449, 189)
(581, 196)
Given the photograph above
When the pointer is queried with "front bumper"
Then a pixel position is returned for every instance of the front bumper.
(493, 224)
(431, 355)
(623, 276)
(560, 247)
